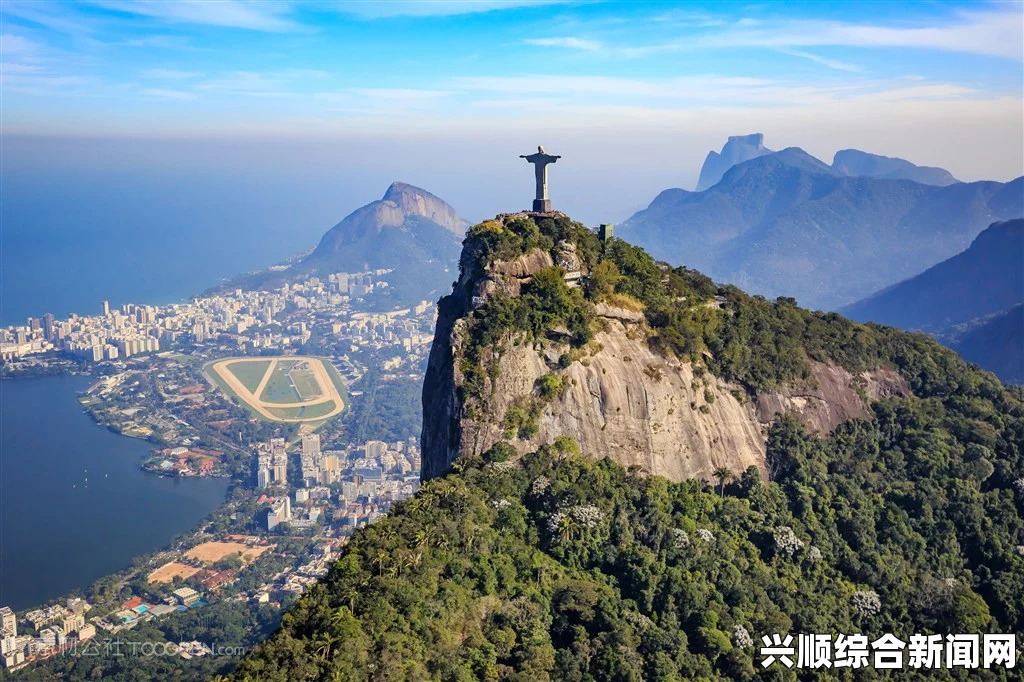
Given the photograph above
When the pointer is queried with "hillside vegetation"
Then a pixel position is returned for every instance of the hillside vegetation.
(552, 566)
(555, 567)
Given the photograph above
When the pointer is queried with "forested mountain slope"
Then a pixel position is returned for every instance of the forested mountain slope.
(997, 345)
(985, 279)
(557, 565)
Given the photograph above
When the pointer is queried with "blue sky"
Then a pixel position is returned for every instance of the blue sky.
(650, 84)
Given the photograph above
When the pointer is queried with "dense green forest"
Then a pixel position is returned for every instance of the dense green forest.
(555, 567)
(558, 568)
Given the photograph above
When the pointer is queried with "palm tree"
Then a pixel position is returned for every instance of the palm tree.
(723, 474)
(350, 594)
(566, 527)
(422, 537)
(339, 617)
(323, 643)
(380, 559)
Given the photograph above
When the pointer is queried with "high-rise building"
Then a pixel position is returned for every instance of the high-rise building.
(279, 460)
(106, 309)
(49, 326)
(8, 621)
(263, 472)
(280, 512)
(375, 448)
(73, 623)
(311, 446)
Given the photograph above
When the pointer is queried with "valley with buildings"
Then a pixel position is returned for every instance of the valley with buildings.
(274, 391)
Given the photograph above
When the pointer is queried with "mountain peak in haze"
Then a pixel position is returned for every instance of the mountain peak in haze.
(737, 149)
(856, 162)
(408, 230)
(852, 162)
(787, 224)
(400, 203)
(415, 201)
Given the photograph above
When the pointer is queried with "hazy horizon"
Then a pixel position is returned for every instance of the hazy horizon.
(270, 122)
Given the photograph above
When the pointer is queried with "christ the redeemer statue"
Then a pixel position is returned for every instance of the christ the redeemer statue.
(540, 162)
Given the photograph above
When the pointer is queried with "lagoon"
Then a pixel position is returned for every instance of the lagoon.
(74, 503)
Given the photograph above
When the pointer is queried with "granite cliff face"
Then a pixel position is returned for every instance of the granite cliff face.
(620, 398)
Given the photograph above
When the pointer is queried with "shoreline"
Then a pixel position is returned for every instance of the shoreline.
(140, 465)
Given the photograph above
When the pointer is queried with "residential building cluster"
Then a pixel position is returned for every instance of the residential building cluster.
(280, 318)
(59, 627)
(355, 486)
(271, 463)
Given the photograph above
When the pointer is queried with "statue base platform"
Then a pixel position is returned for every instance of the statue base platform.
(542, 205)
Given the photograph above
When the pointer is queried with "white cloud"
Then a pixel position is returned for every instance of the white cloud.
(606, 86)
(257, 84)
(817, 59)
(998, 33)
(256, 16)
(688, 18)
(381, 9)
(58, 17)
(19, 68)
(11, 44)
(569, 42)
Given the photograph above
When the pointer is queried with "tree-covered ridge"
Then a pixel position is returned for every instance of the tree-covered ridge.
(553, 567)
(747, 339)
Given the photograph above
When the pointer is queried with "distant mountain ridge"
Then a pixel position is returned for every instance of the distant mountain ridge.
(997, 345)
(856, 162)
(985, 279)
(788, 224)
(971, 302)
(852, 162)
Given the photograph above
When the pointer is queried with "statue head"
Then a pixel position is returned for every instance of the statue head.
(540, 148)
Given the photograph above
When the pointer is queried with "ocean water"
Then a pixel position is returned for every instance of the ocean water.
(71, 239)
(74, 504)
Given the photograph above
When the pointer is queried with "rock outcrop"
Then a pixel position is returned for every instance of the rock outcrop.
(737, 149)
(619, 398)
(831, 396)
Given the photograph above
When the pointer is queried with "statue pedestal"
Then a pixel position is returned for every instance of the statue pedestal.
(542, 205)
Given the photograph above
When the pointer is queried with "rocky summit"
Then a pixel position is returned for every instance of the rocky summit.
(737, 149)
(400, 203)
(619, 395)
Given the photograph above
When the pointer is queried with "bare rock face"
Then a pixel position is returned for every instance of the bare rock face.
(415, 201)
(620, 399)
(632, 405)
(832, 396)
(526, 265)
